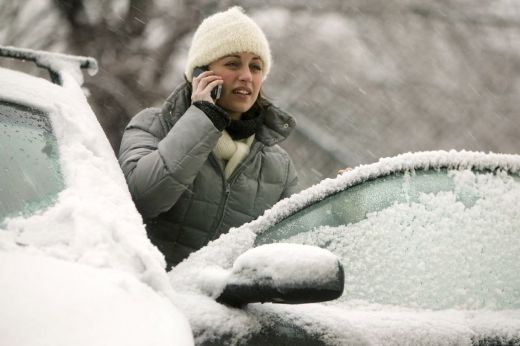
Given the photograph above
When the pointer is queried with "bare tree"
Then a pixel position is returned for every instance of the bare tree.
(133, 44)
(364, 78)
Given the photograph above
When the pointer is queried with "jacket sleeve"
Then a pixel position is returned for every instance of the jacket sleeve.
(291, 185)
(158, 170)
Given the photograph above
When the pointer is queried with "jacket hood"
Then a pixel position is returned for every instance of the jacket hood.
(276, 128)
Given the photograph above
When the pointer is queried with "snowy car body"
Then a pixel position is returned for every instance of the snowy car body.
(76, 267)
(430, 247)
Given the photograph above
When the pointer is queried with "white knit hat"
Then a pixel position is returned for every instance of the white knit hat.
(225, 33)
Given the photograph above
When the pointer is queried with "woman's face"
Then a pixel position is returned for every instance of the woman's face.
(242, 76)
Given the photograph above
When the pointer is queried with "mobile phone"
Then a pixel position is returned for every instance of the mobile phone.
(217, 91)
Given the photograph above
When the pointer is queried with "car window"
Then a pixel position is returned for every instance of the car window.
(436, 239)
(29, 164)
(352, 205)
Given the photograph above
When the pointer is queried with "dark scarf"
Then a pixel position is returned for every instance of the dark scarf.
(250, 122)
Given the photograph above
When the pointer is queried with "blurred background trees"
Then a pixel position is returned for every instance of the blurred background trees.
(363, 78)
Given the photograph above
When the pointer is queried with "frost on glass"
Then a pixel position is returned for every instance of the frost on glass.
(430, 239)
(29, 168)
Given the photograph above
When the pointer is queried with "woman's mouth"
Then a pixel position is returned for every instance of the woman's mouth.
(242, 91)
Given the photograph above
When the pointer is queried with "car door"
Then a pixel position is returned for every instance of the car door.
(429, 243)
(442, 238)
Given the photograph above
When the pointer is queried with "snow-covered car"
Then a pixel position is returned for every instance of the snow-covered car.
(430, 244)
(76, 267)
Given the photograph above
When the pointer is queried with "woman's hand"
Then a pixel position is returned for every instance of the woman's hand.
(202, 86)
(345, 170)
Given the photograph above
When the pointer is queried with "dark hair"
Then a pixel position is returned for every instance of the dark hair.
(262, 101)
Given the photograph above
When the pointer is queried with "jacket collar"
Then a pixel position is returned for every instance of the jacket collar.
(276, 127)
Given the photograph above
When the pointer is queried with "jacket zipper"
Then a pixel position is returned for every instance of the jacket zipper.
(227, 183)
(224, 199)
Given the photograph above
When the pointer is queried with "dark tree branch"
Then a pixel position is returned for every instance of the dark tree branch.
(73, 11)
(137, 17)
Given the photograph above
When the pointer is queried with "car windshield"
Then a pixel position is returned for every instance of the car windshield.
(29, 167)
(434, 239)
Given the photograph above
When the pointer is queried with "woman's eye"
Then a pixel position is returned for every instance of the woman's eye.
(256, 67)
(232, 64)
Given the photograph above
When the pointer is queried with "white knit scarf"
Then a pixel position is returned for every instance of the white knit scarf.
(232, 152)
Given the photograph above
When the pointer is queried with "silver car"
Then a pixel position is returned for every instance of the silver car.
(76, 267)
(429, 242)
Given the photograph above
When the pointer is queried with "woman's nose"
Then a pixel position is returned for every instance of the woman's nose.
(245, 75)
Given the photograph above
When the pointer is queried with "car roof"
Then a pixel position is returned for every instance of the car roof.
(54, 63)
(32, 91)
(29, 90)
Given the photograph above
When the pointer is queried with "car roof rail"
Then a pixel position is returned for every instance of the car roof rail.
(53, 62)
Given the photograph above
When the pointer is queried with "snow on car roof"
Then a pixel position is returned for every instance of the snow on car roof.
(29, 90)
(55, 63)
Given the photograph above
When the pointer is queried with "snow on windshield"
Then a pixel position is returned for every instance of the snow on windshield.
(436, 253)
(94, 221)
(404, 162)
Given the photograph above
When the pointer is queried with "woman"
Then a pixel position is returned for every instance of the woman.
(198, 167)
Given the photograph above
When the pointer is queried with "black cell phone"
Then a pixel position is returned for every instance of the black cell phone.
(217, 91)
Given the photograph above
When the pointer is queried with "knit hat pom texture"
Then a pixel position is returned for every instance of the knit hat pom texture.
(226, 33)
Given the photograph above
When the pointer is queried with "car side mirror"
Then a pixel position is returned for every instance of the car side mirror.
(284, 273)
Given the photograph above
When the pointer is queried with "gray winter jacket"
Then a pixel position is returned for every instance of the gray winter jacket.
(178, 185)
